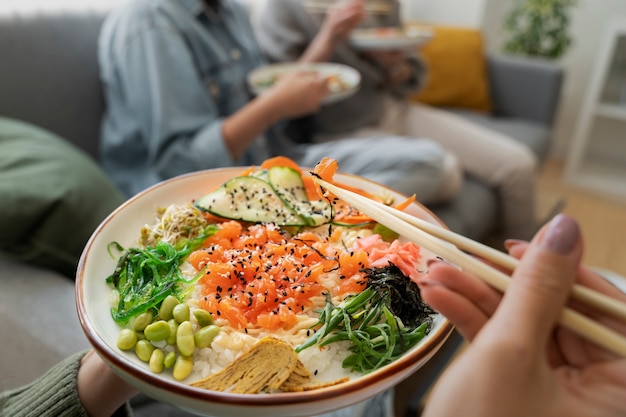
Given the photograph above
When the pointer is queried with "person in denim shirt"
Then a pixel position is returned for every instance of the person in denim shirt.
(174, 77)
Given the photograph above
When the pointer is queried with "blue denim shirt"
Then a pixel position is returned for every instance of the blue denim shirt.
(172, 71)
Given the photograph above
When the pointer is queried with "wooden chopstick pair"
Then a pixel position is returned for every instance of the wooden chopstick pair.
(448, 245)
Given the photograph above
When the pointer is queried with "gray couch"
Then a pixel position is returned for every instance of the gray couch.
(49, 77)
(525, 96)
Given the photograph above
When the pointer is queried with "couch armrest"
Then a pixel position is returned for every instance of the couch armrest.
(527, 88)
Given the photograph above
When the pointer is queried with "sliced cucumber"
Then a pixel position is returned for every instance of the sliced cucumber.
(288, 184)
(249, 199)
(385, 233)
(261, 174)
(353, 225)
(276, 195)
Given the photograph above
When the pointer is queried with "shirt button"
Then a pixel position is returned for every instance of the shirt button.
(235, 54)
(214, 89)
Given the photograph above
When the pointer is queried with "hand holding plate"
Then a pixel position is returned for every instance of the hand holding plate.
(298, 93)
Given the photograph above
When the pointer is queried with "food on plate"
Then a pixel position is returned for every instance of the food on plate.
(381, 32)
(336, 82)
(391, 32)
(268, 265)
(387, 32)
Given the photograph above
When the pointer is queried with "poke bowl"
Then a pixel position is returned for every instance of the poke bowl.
(332, 379)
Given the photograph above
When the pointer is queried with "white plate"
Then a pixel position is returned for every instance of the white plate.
(370, 6)
(92, 298)
(349, 79)
(389, 38)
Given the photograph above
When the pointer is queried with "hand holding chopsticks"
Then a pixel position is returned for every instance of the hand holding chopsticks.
(430, 237)
(518, 361)
(583, 294)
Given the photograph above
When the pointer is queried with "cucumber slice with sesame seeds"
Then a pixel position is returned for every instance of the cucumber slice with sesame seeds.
(249, 199)
(276, 195)
(289, 186)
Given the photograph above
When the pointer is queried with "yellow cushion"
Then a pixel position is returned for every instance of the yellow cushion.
(457, 71)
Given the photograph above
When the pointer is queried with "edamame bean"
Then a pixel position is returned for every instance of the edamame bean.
(157, 331)
(173, 329)
(156, 361)
(169, 359)
(184, 339)
(167, 306)
(181, 312)
(205, 336)
(204, 317)
(127, 339)
(144, 349)
(142, 320)
(182, 367)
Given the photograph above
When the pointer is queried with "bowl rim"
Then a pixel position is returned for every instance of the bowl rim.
(423, 350)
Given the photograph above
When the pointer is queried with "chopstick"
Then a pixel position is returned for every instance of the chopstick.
(569, 318)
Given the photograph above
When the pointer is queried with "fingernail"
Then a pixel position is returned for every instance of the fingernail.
(509, 243)
(561, 235)
(433, 261)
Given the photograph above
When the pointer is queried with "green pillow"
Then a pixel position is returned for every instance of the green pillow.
(53, 196)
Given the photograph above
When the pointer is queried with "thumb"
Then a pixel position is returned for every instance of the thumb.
(541, 283)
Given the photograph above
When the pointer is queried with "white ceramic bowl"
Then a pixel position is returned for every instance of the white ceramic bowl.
(262, 78)
(92, 297)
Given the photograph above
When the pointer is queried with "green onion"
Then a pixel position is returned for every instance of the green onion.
(381, 323)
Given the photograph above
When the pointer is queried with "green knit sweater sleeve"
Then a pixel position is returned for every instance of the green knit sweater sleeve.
(55, 394)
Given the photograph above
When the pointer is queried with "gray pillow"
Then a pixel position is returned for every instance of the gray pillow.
(53, 196)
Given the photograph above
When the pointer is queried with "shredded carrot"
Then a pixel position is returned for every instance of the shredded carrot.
(354, 219)
(248, 171)
(280, 161)
(405, 203)
(313, 190)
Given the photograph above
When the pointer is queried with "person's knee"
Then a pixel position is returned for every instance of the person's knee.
(519, 166)
(524, 162)
(451, 179)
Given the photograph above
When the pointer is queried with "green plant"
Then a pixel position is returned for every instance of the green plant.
(539, 28)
